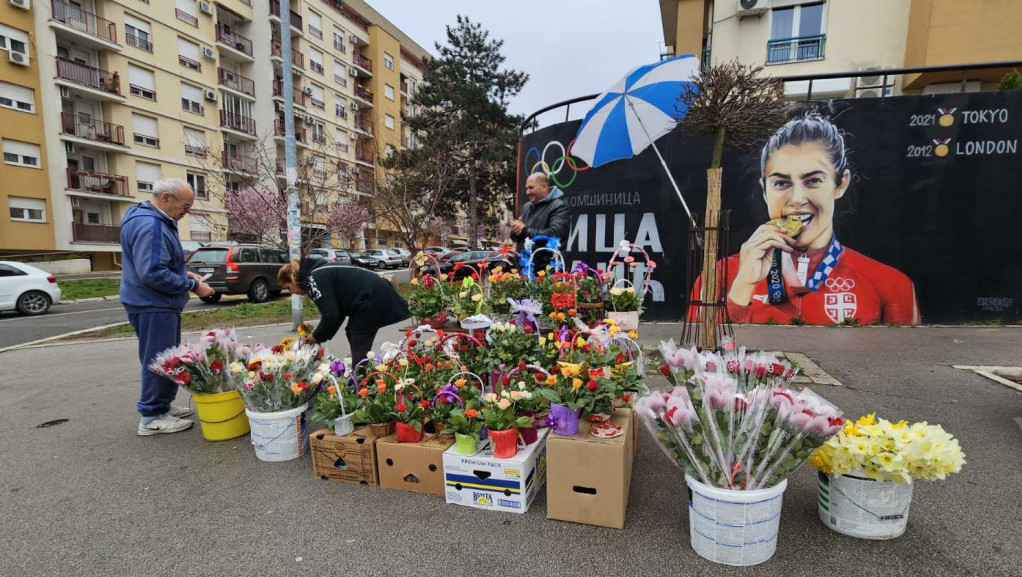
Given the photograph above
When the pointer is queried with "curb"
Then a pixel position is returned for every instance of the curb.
(89, 300)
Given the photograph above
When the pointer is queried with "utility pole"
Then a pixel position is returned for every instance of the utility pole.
(294, 215)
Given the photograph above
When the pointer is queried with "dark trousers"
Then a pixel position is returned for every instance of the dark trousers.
(360, 344)
(157, 332)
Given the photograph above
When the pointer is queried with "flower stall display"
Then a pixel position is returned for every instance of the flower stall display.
(504, 287)
(209, 370)
(867, 473)
(427, 302)
(501, 414)
(462, 390)
(335, 405)
(377, 391)
(624, 303)
(468, 298)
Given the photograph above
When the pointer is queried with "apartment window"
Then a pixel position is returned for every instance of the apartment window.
(18, 153)
(340, 107)
(198, 184)
(388, 91)
(195, 143)
(318, 98)
(198, 227)
(188, 54)
(13, 40)
(339, 41)
(17, 97)
(24, 209)
(185, 11)
(142, 82)
(138, 33)
(316, 60)
(340, 73)
(146, 175)
(315, 24)
(388, 121)
(796, 34)
(341, 141)
(318, 133)
(388, 61)
(144, 128)
(191, 99)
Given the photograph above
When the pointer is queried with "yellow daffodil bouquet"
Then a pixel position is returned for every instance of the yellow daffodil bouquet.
(886, 451)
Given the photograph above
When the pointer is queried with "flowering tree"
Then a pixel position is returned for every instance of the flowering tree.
(256, 212)
(348, 220)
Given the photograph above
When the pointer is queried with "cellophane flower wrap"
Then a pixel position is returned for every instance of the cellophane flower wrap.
(886, 451)
(282, 377)
(732, 420)
(205, 367)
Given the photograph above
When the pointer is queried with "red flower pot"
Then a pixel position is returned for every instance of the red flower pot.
(505, 443)
(407, 434)
(529, 435)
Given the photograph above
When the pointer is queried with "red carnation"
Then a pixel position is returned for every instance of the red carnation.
(666, 370)
(401, 407)
(626, 398)
(521, 365)
(776, 369)
(424, 404)
(184, 378)
(528, 329)
(216, 366)
(592, 385)
(539, 377)
(760, 371)
(412, 343)
(505, 381)
(287, 376)
(620, 358)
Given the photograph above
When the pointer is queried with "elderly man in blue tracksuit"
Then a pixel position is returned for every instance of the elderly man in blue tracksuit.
(154, 289)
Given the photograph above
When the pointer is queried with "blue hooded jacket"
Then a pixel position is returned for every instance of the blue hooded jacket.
(153, 276)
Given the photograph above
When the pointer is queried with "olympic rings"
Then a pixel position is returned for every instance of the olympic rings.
(840, 284)
(553, 169)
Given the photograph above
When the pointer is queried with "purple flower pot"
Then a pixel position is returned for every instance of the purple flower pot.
(564, 418)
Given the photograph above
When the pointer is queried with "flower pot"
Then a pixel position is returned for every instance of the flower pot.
(406, 433)
(734, 527)
(343, 425)
(564, 418)
(626, 321)
(858, 506)
(381, 430)
(221, 415)
(484, 433)
(436, 322)
(466, 444)
(505, 443)
(279, 436)
(529, 435)
(540, 420)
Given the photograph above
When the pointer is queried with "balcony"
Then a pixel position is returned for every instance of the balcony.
(93, 31)
(297, 95)
(296, 18)
(363, 155)
(186, 17)
(106, 83)
(364, 94)
(138, 42)
(235, 82)
(278, 130)
(340, 111)
(798, 49)
(316, 67)
(319, 138)
(189, 63)
(98, 233)
(238, 163)
(404, 87)
(85, 127)
(237, 122)
(364, 185)
(297, 59)
(97, 182)
(362, 62)
(225, 37)
(363, 126)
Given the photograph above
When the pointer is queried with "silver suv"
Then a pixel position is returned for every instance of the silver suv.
(387, 259)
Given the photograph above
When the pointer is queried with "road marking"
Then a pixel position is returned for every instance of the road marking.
(990, 373)
(61, 314)
(810, 369)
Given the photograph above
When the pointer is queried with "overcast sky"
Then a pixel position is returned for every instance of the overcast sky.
(569, 48)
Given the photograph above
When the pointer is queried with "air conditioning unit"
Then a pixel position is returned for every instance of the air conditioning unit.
(308, 91)
(873, 92)
(211, 95)
(69, 147)
(23, 4)
(208, 53)
(310, 119)
(206, 8)
(65, 92)
(354, 105)
(352, 136)
(752, 7)
(352, 71)
(873, 80)
(75, 202)
(19, 58)
(353, 39)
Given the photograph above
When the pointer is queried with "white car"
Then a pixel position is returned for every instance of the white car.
(26, 289)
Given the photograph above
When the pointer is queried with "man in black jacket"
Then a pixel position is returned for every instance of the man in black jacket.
(546, 213)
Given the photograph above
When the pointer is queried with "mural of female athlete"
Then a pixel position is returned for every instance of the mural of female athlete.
(789, 270)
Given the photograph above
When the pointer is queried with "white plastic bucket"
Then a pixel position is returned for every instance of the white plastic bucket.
(858, 506)
(280, 436)
(734, 527)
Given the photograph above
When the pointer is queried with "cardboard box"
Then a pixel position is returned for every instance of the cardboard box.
(635, 427)
(417, 467)
(589, 477)
(350, 459)
(485, 482)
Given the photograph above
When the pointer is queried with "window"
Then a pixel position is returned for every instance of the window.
(796, 34)
(26, 209)
(13, 40)
(339, 40)
(316, 60)
(138, 33)
(195, 143)
(388, 91)
(92, 217)
(188, 54)
(388, 61)
(340, 107)
(191, 99)
(318, 98)
(318, 132)
(20, 153)
(198, 184)
(142, 82)
(145, 130)
(186, 12)
(17, 97)
(315, 24)
(341, 140)
(340, 73)
(146, 174)
(388, 121)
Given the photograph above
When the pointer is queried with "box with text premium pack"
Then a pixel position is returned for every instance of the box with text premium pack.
(483, 481)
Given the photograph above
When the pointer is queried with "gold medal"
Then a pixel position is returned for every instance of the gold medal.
(792, 227)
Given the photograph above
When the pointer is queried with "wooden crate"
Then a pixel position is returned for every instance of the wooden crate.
(350, 459)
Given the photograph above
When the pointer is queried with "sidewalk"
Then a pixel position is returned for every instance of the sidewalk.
(88, 497)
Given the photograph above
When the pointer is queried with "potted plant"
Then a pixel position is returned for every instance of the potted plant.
(590, 294)
(466, 424)
(502, 418)
(335, 406)
(504, 285)
(624, 305)
(468, 299)
(409, 413)
(376, 391)
(867, 473)
(568, 393)
(427, 301)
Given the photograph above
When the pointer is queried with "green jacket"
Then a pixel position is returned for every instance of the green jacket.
(341, 291)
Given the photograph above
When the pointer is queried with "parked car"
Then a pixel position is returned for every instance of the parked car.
(365, 261)
(474, 258)
(387, 258)
(406, 255)
(26, 289)
(239, 269)
(332, 255)
(438, 251)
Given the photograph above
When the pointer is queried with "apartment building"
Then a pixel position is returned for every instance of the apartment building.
(127, 92)
(798, 37)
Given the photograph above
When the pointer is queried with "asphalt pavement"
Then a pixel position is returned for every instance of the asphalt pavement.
(88, 497)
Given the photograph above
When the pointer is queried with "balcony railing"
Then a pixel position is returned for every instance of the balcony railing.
(796, 49)
(319, 138)
(192, 106)
(339, 45)
(74, 17)
(235, 81)
(105, 233)
(98, 182)
(196, 151)
(404, 87)
(138, 42)
(186, 17)
(296, 18)
(278, 130)
(340, 79)
(297, 58)
(364, 185)
(363, 126)
(225, 35)
(318, 103)
(237, 122)
(298, 95)
(238, 163)
(84, 126)
(362, 61)
(364, 93)
(341, 111)
(316, 67)
(189, 63)
(315, 31)
(88, 76)
(342, 147)
(363, 155)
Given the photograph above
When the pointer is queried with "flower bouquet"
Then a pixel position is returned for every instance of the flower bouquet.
(427, 301)
(378, 399)
(624, 305)
(504, 285)
(502, 417)
(469, 300)
(336, 404)
(867, 472)
(466, 424)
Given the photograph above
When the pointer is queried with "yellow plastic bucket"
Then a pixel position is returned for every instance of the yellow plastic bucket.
(221, 415)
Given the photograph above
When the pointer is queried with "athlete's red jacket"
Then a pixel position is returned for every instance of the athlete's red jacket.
(859, 288)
